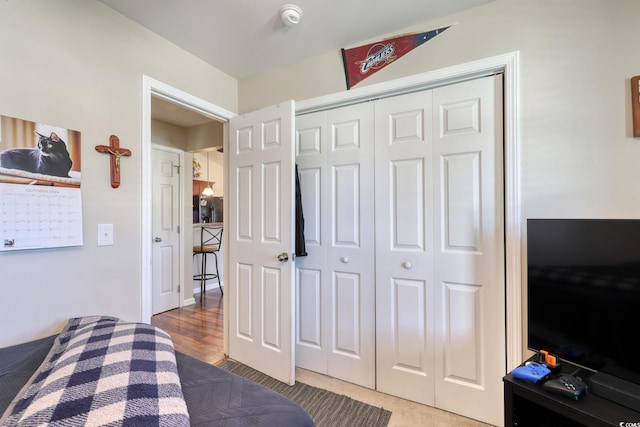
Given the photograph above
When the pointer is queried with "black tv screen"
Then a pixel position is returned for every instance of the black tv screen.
(584, 292)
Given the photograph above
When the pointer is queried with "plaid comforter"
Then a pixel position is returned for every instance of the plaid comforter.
(102, 371)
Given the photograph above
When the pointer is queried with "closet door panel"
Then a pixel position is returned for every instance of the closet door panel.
(470, 248)
(345, 326)
(461, 191)
(350, 250)
(460, 235)
(309, 334)
(346, 197)
(311, 190)
(463, 335)
(404, 268)
(334, 154)
(409, 318)
(311, 271)
(408, 204)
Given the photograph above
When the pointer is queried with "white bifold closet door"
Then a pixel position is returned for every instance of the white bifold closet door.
(335, 332)
(440, 291)
(403, 288)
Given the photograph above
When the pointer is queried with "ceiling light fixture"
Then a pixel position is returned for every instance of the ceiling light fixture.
(290, 14)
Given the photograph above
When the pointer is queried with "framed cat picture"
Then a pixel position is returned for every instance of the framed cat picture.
(40, 198)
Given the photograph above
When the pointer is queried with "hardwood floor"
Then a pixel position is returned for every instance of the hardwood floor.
(198, 329)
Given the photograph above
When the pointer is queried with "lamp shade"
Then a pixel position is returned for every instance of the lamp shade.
(207, 191)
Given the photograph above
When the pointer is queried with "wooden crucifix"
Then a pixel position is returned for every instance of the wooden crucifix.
(116, 152)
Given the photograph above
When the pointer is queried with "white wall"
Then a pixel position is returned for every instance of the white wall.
(79, 65)
(168, 135)
(578, 156)
(205, 136)
(576, 58)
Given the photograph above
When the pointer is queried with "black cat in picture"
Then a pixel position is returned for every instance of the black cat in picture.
(50, 158)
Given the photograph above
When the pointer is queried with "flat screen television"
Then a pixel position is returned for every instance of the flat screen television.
(584, 292)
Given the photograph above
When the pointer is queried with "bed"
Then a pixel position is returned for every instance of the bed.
(103, 371)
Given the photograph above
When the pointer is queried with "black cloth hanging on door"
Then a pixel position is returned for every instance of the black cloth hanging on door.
(301, 249)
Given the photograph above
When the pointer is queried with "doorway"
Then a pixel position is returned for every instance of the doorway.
(168, 108)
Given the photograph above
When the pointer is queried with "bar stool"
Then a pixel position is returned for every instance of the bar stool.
(210, 243)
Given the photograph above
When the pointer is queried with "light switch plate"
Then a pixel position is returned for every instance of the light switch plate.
(105, 234)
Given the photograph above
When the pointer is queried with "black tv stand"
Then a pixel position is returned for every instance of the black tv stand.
(617, 390)
(529, 405)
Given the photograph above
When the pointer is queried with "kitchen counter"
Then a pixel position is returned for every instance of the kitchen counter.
(210, 224)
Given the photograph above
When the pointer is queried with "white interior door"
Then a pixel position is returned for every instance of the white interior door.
(166, 242)
(336, 283)
(261, 235)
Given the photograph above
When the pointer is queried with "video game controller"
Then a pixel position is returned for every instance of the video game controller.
(531, 371)
(567, 385)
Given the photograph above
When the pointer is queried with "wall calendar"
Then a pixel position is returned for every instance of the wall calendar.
(40, 199)
(35, 216)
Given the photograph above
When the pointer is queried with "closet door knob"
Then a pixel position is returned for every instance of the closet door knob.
(345, 260)
(407, 265)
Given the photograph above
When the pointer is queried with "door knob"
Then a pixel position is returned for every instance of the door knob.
(345, 260)
(283, 257)
(407, 265)
(157, 239)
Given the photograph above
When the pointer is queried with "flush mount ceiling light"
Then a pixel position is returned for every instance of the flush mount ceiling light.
(290, 14)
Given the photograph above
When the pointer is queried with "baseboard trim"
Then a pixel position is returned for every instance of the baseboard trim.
(208, 286)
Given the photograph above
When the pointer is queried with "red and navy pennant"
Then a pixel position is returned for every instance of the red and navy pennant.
(363, 61)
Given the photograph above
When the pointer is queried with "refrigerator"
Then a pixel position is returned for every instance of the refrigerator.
(207, 209)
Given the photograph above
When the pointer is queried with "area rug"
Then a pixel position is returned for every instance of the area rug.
(327, 409)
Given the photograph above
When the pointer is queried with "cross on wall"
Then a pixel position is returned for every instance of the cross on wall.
(114, 150)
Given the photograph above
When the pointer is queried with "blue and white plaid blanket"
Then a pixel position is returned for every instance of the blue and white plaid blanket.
(104, 372)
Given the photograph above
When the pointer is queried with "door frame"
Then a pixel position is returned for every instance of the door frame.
(507, 63)
(154, 88)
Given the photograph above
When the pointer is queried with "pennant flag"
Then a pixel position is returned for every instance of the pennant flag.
(363, 61)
